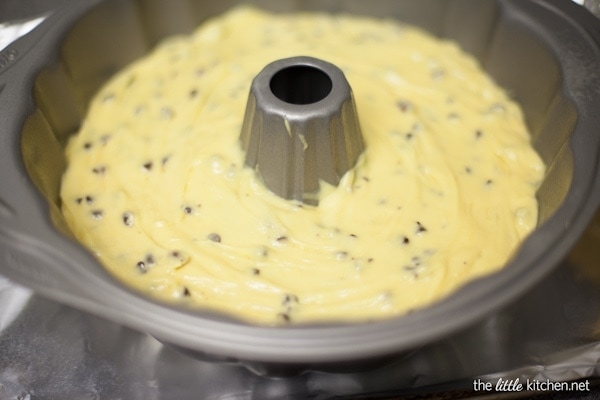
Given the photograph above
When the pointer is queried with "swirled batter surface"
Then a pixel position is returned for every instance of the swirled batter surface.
(156, 184)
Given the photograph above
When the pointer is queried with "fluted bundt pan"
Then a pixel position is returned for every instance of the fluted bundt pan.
(544, 52)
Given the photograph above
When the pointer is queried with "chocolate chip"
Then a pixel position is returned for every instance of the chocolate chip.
(147, 165)
(403, 105)
(186, 292)
(453, 116)
(405, 240)
(149, 260)
(127, 219)
(104, 139)
(289, 299)
(99, 170)
(215, 237)
(97, 214)
(141, 266)
(284, 316)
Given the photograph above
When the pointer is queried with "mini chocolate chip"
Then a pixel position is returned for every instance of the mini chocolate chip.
(420, 228)
(453, 116)
(150, 259)
(409, 136)
(186, 292)
(141, 266)
(104, 139)
(468, 170)
(353, 235)
(89, 199)
(370, 259)
(187, 210)
(282, 239)
(289, 298)
(148, 165)
(405, 240)
(403, 105)
(284, 316)
(175, 254)
(99, 170)
(489, 182)
(478, 133)
(79, 200)
(215, 237)
(165, 159)
(255, 271)
(97, 214)
(193, 93)
(127, 219)
(87, 145)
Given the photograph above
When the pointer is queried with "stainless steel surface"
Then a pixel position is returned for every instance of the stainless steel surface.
(301, 127)
(50, 351)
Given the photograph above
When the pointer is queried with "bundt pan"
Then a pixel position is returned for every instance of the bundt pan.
(546, 53)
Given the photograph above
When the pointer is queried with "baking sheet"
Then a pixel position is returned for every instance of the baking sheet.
(50, 351)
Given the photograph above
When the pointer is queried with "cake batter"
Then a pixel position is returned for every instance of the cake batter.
(157, 188)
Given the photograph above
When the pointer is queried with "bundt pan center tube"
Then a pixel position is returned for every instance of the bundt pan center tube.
(543, 52)
(301, 127)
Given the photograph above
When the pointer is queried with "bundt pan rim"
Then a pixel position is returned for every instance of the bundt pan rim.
(34, 253)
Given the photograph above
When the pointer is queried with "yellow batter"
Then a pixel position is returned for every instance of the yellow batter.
(157, 188)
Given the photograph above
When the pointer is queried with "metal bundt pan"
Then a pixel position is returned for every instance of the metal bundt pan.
(545, 53)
